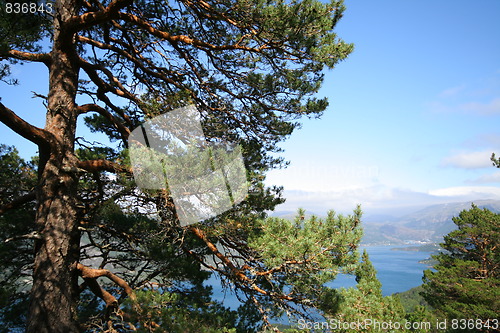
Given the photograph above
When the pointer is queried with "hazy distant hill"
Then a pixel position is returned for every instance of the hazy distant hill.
(428, 224)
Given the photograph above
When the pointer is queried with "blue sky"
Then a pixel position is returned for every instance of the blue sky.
(413, 116)
(414, 112)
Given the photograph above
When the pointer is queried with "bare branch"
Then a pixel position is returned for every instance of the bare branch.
(89, 19)
(102, 165)
(137, 60)
(36, 135)
(124, 131)
(236, 271)
(183, 38)
(31, 235)
(27, 56)
(93, 273)
(91, 70)
(215, 14)
(110, 300)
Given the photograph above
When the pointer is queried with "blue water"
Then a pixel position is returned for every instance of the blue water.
(398, 271)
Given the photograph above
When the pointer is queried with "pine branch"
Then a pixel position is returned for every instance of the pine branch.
(102, 165)
(27, 56)
(17, 202)
(139, 61)
(91, 70)
(93, 285)
(238, 273)
(144, 25)
(124, 131)
(32, 133)
(93, 273)
(496, 161)
(89, 19)
(31, 235)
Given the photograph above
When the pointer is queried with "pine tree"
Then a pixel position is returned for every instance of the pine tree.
(465, 283)
(17, 179)
(251, 68)
(495, 160)
(366, 304)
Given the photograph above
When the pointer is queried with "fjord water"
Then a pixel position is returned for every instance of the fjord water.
(397, 270)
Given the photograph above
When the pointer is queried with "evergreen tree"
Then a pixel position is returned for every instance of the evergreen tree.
(17, 179)
(365, 303)
(465, 283)
(495, 160)
(421, 319)
(250, 67)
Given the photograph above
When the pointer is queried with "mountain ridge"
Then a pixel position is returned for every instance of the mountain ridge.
(425, 225)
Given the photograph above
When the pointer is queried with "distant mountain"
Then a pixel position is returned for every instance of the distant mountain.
(289, 215)
(380, 218)
(444, 212)
(428, 224)
(285, 214)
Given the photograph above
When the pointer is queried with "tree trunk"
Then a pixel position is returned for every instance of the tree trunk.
(54, 295)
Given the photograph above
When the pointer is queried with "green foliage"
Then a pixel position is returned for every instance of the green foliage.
(252, 73)
(412, 299)
(466, 282)
(308, 253)
(495, 160)
(17, 178)
(22, 31)
(156, 311)
(421, 314)
(365, 302)
(366, 277)
(417, 310)
(243, 95)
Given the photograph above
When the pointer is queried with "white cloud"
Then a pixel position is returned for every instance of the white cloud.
(489, 140)
(480, 97)
(382, 199)
(490, 108)
(471, 160)
(321, 177)
(485, 179)
(454, 91)
(468, 192)
(371, 198)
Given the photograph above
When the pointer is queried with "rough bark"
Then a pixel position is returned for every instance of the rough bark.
(55, 278)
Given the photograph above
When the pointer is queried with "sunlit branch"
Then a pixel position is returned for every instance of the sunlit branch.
(93, 285)
(31, 235)
(89, 19)
(92, 273)
(91, 70)
(238, 273)
(26, 130)
(183, 38)
(124, 131)
(27, 56)
(137, 60)
(103, 165)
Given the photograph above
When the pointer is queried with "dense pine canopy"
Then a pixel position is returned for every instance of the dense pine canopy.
(84, 249)
(252, 69)
(466, 281)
